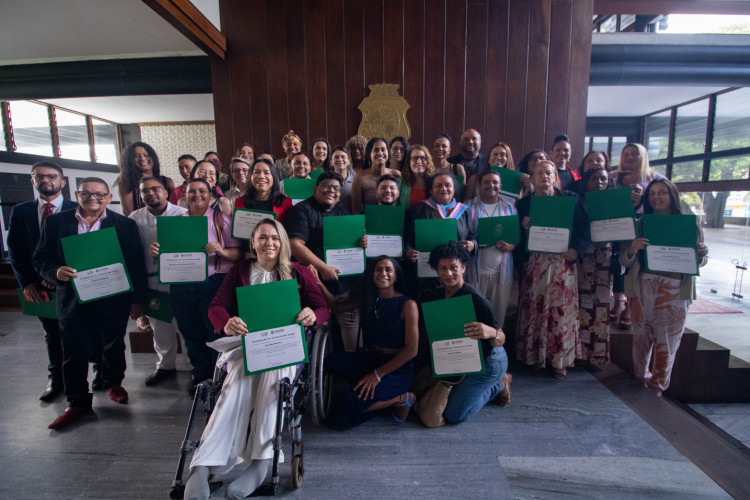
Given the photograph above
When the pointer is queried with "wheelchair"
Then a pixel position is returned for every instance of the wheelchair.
(308, 392)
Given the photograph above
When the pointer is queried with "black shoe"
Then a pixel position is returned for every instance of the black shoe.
(98, 383)
(53, 390)
(160, 375)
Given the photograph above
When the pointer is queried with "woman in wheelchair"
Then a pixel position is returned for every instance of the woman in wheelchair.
(241, 427)
(382, 373)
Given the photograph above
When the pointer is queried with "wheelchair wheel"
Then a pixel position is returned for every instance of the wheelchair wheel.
(321, 383)
(298, 471)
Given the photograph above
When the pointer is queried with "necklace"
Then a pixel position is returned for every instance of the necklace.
(494, 210)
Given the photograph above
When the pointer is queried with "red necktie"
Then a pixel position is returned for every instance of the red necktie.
(48, 207)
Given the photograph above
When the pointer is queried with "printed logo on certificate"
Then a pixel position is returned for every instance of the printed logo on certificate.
(681, 260)
(456, 357)
(384, 244)
(548, 239)
(274, 348)
(183, 267)
(621, 229)
(347, 260)
(423, 266)
(101, 282)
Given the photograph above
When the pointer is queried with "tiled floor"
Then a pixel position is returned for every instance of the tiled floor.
(557, 439)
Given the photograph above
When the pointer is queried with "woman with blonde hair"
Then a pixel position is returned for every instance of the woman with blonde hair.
(634, 167)
(418, 167)
(241, 427)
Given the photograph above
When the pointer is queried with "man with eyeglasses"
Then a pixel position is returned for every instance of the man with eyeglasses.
(23, 236)
(154, 195)
(105, 319)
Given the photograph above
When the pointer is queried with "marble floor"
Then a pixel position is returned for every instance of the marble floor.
(557, 439)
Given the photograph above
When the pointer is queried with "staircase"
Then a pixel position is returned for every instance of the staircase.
(8, 286)
(704, 372)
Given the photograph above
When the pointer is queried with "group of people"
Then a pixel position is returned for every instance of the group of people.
(567, 300)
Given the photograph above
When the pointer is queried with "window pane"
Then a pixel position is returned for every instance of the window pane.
(657, 129)
(617, 144)
(3, 146)
(732, 126)
(31, 130)
(105, 142)
(690, 129)
(600, 144)
(729, 168)
(587, 141)
(74, 140)
(662, 169)
(690, 171)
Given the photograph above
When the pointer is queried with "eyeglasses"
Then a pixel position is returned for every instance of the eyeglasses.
(85, 195)
(153, 189)
(331, 187)
(243, 171)
(41, 177)
(415, 159)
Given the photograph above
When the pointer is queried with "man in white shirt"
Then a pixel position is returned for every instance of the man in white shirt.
(165, 341)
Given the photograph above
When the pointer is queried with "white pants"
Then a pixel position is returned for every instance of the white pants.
(165, 343)
(497, 294)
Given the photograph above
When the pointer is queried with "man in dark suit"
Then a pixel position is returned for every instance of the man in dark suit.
(470, 157)
(106, 318)
(23, 236)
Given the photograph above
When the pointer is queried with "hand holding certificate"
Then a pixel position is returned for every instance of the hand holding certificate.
(341, 237)
(611, 214)
(101, 273)
(672, 241)
(551, 223)
(274, 340)
(182, 249)
(452, 352)
(385, 230)
(244, 221)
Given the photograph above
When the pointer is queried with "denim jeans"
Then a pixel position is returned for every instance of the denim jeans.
(470, 396)
(190, 308)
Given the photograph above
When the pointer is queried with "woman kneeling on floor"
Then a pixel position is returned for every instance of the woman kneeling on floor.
(476, 390)
(242, 425)
(383, 372)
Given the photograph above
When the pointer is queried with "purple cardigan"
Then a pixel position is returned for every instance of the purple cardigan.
(224, 305)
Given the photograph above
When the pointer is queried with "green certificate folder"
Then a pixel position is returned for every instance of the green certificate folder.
(244, 221)
(551, 223)
(182, 249)
(510, 182)
(299, 189)
(275, 339)
(452, 352)
(672, 240)
(316, 173)
(158, 306)
(385, 230)
(493, 229)
(429, 233)
(611, 214)
(341, 235)
(97, 258)
(40, 309)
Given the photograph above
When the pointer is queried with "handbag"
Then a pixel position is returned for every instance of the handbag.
(430, 407)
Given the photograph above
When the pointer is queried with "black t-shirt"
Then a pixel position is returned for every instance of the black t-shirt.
(482, 310)
(305, 221)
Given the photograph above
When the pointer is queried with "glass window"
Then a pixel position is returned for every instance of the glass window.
(105, 141)
(662, 169)
(657, 130)
(586, 142)
(31, 128)
(689, 171)
(736, 167)
(690, 129)
(2, 136)
(617, 144)
(74, 139)
(600, 144)
(732, 123)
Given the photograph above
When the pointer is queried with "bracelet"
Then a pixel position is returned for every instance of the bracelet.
(377, 376)
(497, 334)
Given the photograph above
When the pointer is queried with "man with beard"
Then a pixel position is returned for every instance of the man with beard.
(387, 191)
(470, 157)
(165, 342)
(23, 236)
(104, 319)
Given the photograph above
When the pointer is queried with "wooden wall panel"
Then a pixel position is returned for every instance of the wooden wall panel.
(516, 70)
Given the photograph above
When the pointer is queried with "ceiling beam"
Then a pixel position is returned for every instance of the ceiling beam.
(191, 22)
(657, 7)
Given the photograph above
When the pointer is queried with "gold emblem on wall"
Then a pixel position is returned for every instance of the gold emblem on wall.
(384, 113)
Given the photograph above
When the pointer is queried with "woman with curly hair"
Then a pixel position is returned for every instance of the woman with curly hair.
(139, 160)
(355, 147)
(418, 168)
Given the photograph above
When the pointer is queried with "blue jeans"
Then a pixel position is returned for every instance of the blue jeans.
(190, 308)
(470, 396)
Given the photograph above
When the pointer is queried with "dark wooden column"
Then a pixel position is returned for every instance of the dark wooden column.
(516, 70)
